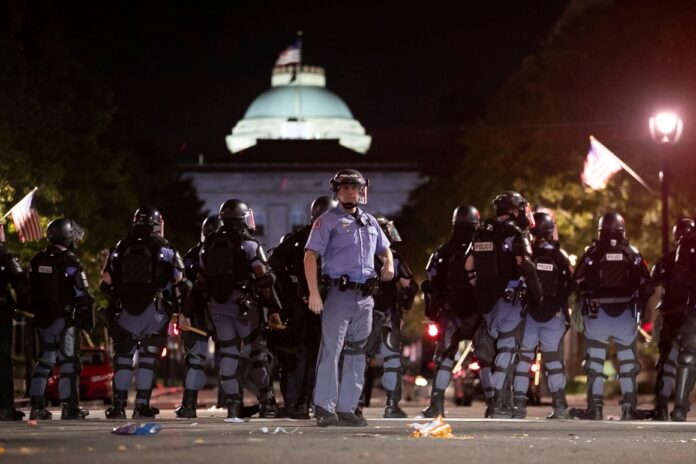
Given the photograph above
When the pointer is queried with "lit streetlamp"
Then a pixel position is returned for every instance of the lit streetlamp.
(665, 129)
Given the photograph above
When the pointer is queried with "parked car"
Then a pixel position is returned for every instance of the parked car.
(95, 377)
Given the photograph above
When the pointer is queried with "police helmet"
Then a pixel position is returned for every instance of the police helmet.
(237, 213)
(148, 219)
(320, 205)
(544, 226)
(64, 232)
(350, 177)
(511, 200)
(681, 228)
(210, 225)
(388, 228)
(466, 215)
(612, 226)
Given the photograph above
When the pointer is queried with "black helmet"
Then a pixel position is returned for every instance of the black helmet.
(466, 215)
(236, 213)
(320, 205)
(350, 177)
(388, 228)
(612, 227)
(682, 226)
(210, 225)
(544, 226)
(64, 232)
(511, 200)
(148, 220)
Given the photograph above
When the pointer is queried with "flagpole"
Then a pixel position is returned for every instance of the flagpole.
(298, 93)
(627, 168)
(10, 211)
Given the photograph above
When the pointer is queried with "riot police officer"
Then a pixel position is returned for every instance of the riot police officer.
(195, 314)
(346, 238)
(143, 278)
(685, 273)
(393, 298)
(547, 325)
(671, 312)
(506, 287)
(616, 284)
(233, 276)
(62, 307)
(450, 301)
(11, 275)
(297, 347)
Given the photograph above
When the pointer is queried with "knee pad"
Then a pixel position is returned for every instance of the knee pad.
(354, 347)
(687, 359)
(124, 343)
(70, 342)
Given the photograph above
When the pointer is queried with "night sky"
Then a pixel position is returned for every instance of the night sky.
(188, 72)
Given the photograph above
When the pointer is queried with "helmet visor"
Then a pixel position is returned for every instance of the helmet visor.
(391, 232)
(528, 214)
(78, 231)
(249, 219)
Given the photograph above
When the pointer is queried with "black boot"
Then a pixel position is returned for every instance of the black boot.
(189, 404)
(628, 408)
(38, 409)
(392, 409)
(660, 413)
(325, 418)
(686, 377)
(519, 409)
(118, 407)
(73, 411)
(500, 410)
(268, 409)
(144, 411)
(595, 408)
(437, 404)
(11, 414)
(301, 412)
(234, 407)
(489, 408)
(560, 406)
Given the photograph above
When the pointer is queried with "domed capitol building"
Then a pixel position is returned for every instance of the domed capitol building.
(291, 141)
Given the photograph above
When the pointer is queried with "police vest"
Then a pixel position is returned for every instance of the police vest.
(686, 259)
(139, 273)
(494, 255)
(287, 262)
(385, 299)
(191, 263)
(458, 292)
(613, 271)
(549, 269)
(51, 289)
(225, 263)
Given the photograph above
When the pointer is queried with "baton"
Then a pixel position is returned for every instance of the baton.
(26, 314)
(465, 353)
(196, 330)
(648, 338)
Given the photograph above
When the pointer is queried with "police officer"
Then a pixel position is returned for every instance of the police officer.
(297, 346)
(546, 326)
(391, 300)
(11, 275)
(62, 307)
(685, 271)
(195, 314)
(143, 278)
(615, 283)
(346, 238)
(506, 286)
(671, 307)
(450, 301)
(233, 276)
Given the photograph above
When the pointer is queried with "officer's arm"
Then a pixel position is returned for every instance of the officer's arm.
(316, 305)
(387, 264)
(18, 280)
(470, 267)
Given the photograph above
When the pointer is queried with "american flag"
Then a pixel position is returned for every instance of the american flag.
(600, 165)
(26, 219)
(291, 55)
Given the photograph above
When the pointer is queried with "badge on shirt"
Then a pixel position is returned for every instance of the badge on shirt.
(345, 223)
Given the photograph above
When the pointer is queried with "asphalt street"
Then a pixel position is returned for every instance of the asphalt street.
(209, 439)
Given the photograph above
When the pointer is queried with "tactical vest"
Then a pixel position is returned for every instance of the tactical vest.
(458, 290)
(549, 271)
(191, 263)
(613, 271)
(140, 275)
(385, 299)
(493, 252)
(225, 263)
(51, 289)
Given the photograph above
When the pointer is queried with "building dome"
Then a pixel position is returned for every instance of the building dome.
(298, 107)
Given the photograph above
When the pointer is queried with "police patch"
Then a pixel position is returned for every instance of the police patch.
(483, 246)
(614, 256)
(45, 270)
(544, 267)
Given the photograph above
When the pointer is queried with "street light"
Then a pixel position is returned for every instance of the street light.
(665, 129)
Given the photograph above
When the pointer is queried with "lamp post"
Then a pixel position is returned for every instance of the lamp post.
(665, 129)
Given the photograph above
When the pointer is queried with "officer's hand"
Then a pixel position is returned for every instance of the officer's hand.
(275, 323)
(315, 304)
(184, 322)
(387, 273)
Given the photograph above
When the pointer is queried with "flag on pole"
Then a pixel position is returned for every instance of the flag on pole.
(26, 219)
(291, 55)
(600, 165)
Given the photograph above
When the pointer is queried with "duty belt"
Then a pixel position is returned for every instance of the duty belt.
(344, 284)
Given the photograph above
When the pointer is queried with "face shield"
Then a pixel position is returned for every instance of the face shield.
(249, 219)
(78, 232)
(390, 231)
(361, 197)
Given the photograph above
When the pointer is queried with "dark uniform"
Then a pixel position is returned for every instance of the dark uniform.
(142, 277)
(62, 307)
(616, 284)
(450, 302)
(11, 275)
(546, 326)
(672, 304)
(297, 346)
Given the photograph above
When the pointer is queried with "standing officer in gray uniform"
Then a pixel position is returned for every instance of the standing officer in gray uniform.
(142, 278)
(506, 287)
(62, 307)
(347, 238)
(616, 284)
(671, 311)
(391, 300)
(233, 275)
(11, 275)
(194, 312)
(547, 326)
(450, 302)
